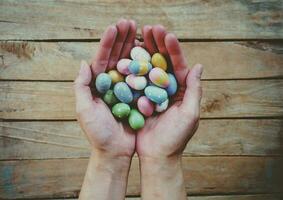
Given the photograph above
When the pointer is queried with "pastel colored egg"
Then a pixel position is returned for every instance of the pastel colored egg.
(159, 77)
(156, 94)
(158, 60)
(172, 88)
(110, 98)
(121, 110)
(162, 107)
(136, 120)
(103, 82)
(140, 54)
(137, 94)
(145, 106)
(139, 67)
(136, 82)
(115, 76)
(123, 66)
(123, 92)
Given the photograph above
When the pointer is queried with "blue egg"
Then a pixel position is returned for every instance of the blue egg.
(172, 88)
(156, 94)
(103, 82)
(123, 92)
(136, 94)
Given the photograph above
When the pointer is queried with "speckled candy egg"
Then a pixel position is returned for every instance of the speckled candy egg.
(103, 82)
(145, 106)
(156, 94)
(159, 77)
(139, 67)
(136, 120)
(158, 60)
(172, 88)
(162, 107)
(140, 54)
(136, 82)
(121, 110)
(123, 92)
(115, 76)
(110, 98)
(123, 66)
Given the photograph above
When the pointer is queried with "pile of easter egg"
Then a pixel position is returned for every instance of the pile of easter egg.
(138, 87)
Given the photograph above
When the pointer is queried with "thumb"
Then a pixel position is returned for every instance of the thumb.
(193, 93)
(81, 86)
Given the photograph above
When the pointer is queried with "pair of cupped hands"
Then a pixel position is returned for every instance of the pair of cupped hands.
(164, 135)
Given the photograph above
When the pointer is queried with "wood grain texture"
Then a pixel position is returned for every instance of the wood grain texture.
(224, 197)
(26, 140)
(61, 60)
(188, 19)
(203, 175)
(55, 100)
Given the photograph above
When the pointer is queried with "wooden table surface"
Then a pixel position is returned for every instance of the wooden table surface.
(237, 151)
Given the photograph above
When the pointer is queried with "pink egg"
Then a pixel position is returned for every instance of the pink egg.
(136, 82)
(145, 106)
(122, 66)
(159, 77)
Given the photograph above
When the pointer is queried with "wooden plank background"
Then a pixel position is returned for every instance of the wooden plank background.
(236, 153)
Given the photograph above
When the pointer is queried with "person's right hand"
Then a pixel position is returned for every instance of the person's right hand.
(106, 135)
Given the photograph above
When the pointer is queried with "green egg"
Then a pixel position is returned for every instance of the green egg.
(110, 98)
(136, 120)
(121, 110)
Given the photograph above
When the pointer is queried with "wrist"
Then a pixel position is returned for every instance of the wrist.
(115, 167)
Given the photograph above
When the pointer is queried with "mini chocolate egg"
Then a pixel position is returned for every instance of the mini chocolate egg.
(136, 82)
(145, 106)
(123, 92)
(140, 54)
(159, 77)
(136, 120)
(121, 110)
(158, 60)
(103, 82)
(115, 76)
(123, 66)
(162, 107)
(139, 67)
(156, 94)
(110, 98)
(172, 87)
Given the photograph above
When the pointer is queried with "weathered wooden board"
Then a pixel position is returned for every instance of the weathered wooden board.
(61, 60)
(225, 197)
(203, 175)
(54, 100)
(43, 140)
(188, 19)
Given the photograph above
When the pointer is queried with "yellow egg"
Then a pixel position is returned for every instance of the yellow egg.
(115, 76)
(158, 60)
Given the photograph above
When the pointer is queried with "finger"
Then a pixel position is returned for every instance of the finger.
(83, 94)
(159, 34)
(148, 39)
(177, 58)
(100, 61)
(130, 40)
(123, 29)
(193, 93)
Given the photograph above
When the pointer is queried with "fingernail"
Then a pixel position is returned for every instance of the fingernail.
(83, 65)
(199, 70)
